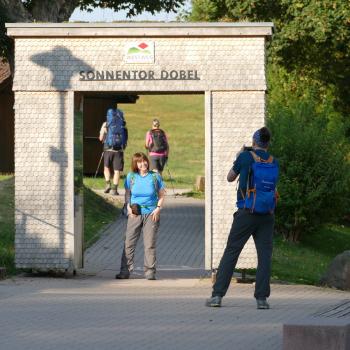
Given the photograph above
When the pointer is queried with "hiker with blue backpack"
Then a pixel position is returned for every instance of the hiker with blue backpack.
(144, 198)
(256, 201)
(114, 135)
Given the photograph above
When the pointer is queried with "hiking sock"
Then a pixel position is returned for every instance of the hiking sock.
(107, 187)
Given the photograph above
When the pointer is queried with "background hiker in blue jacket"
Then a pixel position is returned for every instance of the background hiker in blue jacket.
(256, 200)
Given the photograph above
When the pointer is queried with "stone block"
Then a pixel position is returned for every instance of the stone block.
(338, 272)
(317, 333)
(200, 183)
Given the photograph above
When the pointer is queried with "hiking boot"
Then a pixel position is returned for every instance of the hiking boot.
(107, 187)
(151, 276)
(214, 301)
(122, 276)
(114, 191)
(262, 304)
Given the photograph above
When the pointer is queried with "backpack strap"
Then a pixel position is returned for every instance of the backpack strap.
(155, 181)
(259, 159)
(132, 180)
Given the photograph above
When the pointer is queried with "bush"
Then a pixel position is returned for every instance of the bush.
(313, 153)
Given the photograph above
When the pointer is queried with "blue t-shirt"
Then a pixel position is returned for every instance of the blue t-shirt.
(241, 166)
(144, 190)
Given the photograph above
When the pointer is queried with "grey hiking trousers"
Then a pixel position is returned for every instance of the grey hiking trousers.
(133, 231)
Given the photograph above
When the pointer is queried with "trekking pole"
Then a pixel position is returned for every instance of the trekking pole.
(171, 178)
(99, 163)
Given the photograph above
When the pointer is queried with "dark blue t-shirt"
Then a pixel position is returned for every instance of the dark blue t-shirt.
(241, 166)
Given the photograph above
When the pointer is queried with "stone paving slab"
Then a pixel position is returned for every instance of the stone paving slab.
(180, 243)
(95, 311)
(103, 313)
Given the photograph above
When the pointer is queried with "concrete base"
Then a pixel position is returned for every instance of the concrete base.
(320, 334)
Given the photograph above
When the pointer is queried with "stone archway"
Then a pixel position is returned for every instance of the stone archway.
(226, 61)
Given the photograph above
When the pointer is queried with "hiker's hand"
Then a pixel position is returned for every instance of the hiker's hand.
(240, 151)
(155, 214)
(130, 212)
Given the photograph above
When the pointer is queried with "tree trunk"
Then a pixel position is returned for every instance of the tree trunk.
(53, 10)
(39, 10)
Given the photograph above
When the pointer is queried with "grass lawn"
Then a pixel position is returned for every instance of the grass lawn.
(7, 223)
(97, 213)
(305, 262)
(182, 118)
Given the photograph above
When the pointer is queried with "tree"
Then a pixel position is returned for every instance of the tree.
(308, 102)
(61, 10)
(312, 37)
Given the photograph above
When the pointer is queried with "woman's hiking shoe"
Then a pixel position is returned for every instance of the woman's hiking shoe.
(151, 276)
(262, 304)
(122, 276)
(214, 301)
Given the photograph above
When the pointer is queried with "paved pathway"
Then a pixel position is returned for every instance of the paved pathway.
(95, 311)
(180, 246)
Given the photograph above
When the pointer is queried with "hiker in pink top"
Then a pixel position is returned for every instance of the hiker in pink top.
(157, 146)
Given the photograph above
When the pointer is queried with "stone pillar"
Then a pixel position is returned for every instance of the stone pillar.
(235, 115)
(44, 180)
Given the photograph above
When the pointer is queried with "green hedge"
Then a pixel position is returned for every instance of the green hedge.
(309, 141)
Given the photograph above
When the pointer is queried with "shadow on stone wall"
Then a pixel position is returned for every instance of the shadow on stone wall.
(63, 65)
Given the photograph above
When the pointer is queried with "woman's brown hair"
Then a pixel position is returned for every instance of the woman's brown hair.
(138, 157)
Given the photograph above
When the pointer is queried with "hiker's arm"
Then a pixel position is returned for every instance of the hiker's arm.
(127, 197)
(231, 176)
(167, 148)
(127, 137)
(103, 133)
(161, 195)
(127, 201)
(167, 145)
(236, 167)
(147, 140)
(156, 212)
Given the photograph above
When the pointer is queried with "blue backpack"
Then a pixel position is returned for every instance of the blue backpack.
(261, 195)
(117, 135)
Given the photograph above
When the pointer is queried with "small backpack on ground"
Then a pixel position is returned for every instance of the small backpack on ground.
(159, 142)
(261, 195)
(117, 136)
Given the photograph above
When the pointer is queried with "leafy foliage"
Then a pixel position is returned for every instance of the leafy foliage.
(133, 8)
(311, 38)
(313, 152)
(5, 42)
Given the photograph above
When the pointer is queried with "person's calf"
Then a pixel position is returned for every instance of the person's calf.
(107, 187)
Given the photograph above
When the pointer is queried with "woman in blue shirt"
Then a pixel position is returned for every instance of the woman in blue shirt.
(144, 195)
